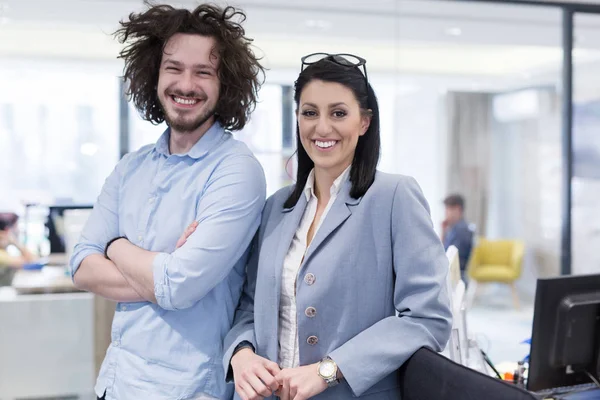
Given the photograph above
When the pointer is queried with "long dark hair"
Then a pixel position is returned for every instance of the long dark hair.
(240, 72)
(366, 155)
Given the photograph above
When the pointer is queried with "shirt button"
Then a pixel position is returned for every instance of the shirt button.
(310, 312)
(117, 343)
(309, 279)
(140, 238)
(312, 340)
(151, 200)
(123, 308)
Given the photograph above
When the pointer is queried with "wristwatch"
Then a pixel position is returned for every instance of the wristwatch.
(327, 369)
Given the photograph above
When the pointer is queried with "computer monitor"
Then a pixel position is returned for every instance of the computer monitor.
(566, 332)
(55, 225)
(51, 221)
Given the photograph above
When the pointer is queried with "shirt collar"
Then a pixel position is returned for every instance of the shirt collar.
(335, 188)
(200, 149)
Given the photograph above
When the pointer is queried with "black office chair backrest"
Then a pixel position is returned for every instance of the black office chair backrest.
(428, 375)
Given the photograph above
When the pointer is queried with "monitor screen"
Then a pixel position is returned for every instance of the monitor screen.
(565, 341)
(56, 227)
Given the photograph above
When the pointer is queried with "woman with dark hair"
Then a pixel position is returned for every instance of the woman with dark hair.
(9, 263)
(346, 279)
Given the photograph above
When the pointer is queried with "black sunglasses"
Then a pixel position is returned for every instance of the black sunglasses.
(345, 60)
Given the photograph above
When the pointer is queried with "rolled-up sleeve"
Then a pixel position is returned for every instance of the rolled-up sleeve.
(228, 215)
(103, 222)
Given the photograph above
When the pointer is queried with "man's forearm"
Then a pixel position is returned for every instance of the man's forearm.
(98, 275)
(27, 255)
(136, 266)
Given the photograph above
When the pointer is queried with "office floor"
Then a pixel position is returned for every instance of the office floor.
(497, 326)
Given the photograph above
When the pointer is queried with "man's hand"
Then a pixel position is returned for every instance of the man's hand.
(445, 225)
(186, 234)
(300, 383)
(182, 239)
(8, 237)
(135, 263)
(254, 376)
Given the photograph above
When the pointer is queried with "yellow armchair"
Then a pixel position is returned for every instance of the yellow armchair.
(497, 261)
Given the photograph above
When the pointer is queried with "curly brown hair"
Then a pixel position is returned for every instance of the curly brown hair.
(240, 72)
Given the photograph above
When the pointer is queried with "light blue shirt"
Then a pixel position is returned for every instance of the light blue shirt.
(173, 349)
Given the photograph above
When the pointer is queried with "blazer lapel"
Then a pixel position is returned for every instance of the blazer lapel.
(289, 225)
(340, 210)
(279, 244)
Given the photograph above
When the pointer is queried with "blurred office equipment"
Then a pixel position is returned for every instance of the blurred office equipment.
(495, 261)
(458, 343)
(565, 346)
(46, 227)
(461, 348)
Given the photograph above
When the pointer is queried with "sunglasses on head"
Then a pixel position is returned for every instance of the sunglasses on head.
(345, 60)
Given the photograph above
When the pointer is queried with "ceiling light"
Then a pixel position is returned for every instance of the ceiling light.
(455, 31)
(3, 12)
(318, 24)
(88, 149)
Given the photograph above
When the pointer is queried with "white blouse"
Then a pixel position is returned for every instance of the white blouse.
(288, 323)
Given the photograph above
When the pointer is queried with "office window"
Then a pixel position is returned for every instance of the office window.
(142, 132)
(58, 130)
(262, 134)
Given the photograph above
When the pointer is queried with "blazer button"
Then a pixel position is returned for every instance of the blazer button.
(309, 279)
(312, 340)
(310, 312)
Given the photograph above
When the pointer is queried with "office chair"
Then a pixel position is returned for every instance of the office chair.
(428, 375)
(496, 261)
(458, 346)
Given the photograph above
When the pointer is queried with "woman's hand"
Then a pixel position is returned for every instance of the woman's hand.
(8, 237)
(300, 383)
(254, 376)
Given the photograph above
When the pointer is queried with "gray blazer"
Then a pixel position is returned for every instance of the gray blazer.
(375, 273)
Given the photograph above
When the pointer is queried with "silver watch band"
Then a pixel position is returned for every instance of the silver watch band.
(332, 382)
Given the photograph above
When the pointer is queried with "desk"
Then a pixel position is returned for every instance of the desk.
(46, 344)
(52, 278)
(55, 278)
(46, 335)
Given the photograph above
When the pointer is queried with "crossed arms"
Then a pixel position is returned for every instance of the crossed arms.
(227, 218)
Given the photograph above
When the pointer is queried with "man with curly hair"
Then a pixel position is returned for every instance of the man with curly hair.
(176, 289)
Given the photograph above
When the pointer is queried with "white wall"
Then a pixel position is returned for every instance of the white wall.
(420, 144)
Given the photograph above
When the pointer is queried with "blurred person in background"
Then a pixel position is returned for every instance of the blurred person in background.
(456, 231)
(176, 298)
(347, 276)
(9, 263)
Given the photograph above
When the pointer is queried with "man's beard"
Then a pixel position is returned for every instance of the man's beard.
(184, 124)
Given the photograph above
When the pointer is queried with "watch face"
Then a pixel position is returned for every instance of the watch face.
(327, 369)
